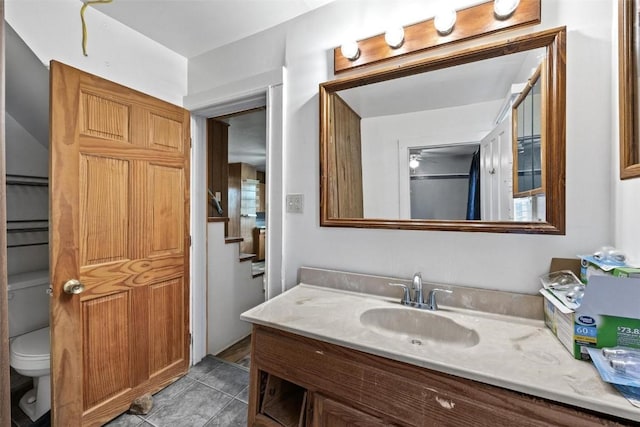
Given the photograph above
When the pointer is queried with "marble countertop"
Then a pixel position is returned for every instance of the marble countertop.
(513, 352)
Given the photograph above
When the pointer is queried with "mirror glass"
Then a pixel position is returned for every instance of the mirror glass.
(629, 64)
(455, 144)
(527, 146)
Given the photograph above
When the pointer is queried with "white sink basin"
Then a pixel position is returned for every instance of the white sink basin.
(420, 327)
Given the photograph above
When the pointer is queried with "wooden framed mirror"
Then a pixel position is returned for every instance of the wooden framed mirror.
(629, 55)
(369, 182)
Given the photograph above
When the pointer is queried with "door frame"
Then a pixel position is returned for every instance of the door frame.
(406, 144)
(5, 387)
(225, 99)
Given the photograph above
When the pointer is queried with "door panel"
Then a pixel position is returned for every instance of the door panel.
(165, 232)
(105, 348)
(104, 194)
(165, 133)
(166, 327)
(103, 117)
(119, 224)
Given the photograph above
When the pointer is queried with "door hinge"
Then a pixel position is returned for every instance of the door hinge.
(190, 339)
(190, 241)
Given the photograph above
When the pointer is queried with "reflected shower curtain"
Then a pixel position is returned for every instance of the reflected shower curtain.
(473, 201)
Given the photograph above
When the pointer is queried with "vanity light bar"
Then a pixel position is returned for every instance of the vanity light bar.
(469, 23)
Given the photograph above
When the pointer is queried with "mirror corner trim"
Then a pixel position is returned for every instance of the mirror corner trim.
(628, 92)
(554, 40)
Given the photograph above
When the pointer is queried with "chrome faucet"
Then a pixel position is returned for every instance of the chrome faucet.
(431, 298)
(416, 285)
(417, 300)
(406, 296)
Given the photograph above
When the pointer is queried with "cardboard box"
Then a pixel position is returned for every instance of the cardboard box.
(626, 272)
(609, 316)
(590, 266)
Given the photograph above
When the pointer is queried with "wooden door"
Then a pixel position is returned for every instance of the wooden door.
(120, 225)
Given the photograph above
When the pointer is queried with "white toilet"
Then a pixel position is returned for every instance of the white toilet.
(29, 338)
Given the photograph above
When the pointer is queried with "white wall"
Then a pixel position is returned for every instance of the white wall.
(380, 137)
(26, 156)
(231, 291)
(495, 261)
(52, 29)
(625, 193)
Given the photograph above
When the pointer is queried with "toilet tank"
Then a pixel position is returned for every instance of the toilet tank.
(28, 302)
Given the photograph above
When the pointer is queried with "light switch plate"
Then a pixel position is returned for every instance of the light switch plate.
(295, 203)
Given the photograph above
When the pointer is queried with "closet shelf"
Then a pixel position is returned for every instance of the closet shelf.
(29, 180)
(439, 176)
(21, 245)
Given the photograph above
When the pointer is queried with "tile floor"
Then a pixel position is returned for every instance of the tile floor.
(213, 393)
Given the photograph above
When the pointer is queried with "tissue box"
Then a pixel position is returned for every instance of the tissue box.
(607, 317)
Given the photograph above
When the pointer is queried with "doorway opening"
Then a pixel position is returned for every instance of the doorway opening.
(237, 190)
(238, 181)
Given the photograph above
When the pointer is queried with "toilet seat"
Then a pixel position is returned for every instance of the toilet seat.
(31, 351)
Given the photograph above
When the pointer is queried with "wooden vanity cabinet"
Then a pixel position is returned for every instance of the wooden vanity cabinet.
(345, 387)
(326, 412)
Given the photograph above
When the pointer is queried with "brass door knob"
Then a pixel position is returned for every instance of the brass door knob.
(73, 287)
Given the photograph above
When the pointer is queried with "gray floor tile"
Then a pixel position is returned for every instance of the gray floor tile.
(193, 408)
(233, 415)
(244, 395)
(228, 378)
(126, 420)
(170, 392)
(203, 367)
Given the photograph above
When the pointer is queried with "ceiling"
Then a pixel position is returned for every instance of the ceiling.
(187, 27)
(247, 138)
(27, 87)
(192, 27)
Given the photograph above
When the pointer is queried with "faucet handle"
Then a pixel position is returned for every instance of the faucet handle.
(431, 298)
(406, 297)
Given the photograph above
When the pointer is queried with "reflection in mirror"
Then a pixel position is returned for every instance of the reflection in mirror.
(465, 105)
(432, 145)
(629, 66)
(440, 186)
(528, 188)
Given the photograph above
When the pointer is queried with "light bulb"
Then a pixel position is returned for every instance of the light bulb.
(350, 50)
(504, 8)
(629, 367)
(414, 163)
(394, 37)
(620, 353)
(445, 20)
